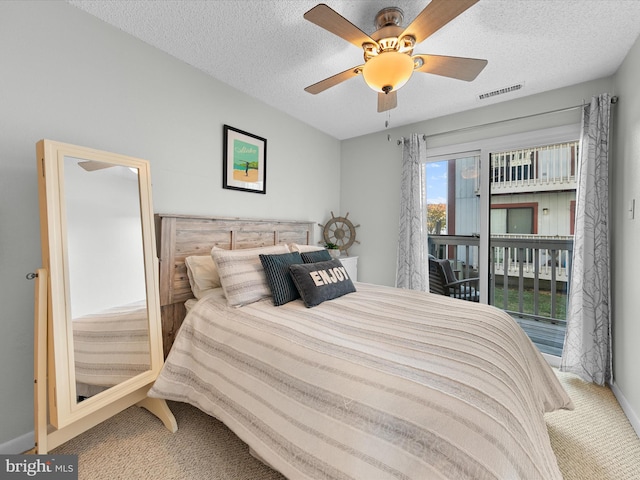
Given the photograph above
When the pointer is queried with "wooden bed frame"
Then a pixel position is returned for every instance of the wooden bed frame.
(179, 236)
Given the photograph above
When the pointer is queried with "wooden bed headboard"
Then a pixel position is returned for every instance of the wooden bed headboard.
(179, 236)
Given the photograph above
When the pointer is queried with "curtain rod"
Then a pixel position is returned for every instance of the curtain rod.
(402, 139)
(614, 100)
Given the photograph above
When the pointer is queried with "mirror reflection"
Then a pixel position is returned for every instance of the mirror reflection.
(107, 301)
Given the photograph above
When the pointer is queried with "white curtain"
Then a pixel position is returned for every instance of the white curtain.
(412, 272)
(587, 344)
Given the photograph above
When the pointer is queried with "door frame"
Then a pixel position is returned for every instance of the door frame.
(485, 146)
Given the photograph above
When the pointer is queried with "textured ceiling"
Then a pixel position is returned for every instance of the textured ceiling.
(266, 49)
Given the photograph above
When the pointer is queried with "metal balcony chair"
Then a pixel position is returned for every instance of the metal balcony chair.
(443, 281)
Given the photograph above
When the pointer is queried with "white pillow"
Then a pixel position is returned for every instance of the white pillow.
(202, 273)
(296, 247)
(241, 274)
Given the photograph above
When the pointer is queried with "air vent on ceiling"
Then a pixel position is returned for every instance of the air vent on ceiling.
(500, 91)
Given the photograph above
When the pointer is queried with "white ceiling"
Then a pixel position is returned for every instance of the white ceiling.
(266, 49)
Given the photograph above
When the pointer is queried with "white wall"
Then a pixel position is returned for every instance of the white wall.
(69, 77)
(625, 186)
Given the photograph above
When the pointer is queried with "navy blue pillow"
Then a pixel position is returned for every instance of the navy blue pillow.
(276, 269)
(316, 256)
(321, 281)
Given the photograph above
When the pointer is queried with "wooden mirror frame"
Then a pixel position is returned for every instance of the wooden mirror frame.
(58, 416)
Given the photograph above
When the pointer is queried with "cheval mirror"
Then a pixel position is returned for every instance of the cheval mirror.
(98, 339)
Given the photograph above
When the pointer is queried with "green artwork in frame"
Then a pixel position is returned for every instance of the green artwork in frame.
(244, 164)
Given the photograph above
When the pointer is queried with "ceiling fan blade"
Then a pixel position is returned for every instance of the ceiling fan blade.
(330, 20)
(435, 16)
(466, 69)
(387, 101)
(322, 85)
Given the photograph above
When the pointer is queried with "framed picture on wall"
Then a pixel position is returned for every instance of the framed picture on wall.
(244, 161)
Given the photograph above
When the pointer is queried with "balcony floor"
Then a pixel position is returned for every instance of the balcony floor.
(548, 337)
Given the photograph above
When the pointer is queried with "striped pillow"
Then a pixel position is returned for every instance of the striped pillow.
(316, 256)
(276, 269)
(241, 274)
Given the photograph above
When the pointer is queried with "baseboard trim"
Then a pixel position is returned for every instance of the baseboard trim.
(552, 360)
(18, 445)
(626, 408)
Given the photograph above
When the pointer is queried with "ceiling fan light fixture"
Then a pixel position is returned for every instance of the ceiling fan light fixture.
(388, 52)
(388, 71)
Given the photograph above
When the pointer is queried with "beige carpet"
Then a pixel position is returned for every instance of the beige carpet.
(134, 445)
(595, 441)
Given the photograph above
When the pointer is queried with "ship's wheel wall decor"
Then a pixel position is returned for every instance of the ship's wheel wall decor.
(340, 231)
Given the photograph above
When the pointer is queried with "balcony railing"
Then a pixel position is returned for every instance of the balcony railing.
(530, 264)
(539, 169)
(462, 250)
(529, 279)
(535, 261)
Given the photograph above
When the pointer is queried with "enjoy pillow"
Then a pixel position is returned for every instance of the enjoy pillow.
(321, 281)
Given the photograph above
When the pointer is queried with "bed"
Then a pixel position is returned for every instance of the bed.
(110, 347)
(373, 383)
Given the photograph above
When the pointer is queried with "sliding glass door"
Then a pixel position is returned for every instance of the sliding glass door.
(531, 230)
(503, 210)
(453, 215)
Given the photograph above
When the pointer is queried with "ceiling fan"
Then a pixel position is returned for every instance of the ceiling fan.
(388, 58)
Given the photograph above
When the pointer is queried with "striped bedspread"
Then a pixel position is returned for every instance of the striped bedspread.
(380, 383)
(111, 346)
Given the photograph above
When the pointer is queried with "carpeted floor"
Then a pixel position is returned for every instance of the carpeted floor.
(593, 442)
(134, 445)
